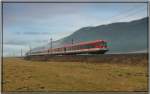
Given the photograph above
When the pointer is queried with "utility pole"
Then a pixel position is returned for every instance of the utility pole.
(21, 52)
(72, 41)
(30, 49)
(13, 54)
(51, 44)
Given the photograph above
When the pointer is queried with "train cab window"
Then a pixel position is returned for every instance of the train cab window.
(103, 44)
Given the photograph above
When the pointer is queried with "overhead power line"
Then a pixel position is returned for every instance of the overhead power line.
(134, 13)
(121, 14)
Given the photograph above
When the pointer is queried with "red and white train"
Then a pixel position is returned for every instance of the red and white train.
(91, 47)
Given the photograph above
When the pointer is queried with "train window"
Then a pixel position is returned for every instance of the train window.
(70, 48)
(85, 46)
(99, 44)
(82, 46)
(67, 49)
(76, 47)
(102, 44)
(89, 46)
(73, 47)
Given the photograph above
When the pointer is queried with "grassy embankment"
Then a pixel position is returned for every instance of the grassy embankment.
(22, 75)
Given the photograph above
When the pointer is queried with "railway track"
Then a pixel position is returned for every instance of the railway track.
(110, 58)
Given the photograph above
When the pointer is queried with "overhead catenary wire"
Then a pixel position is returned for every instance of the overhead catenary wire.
(134, 13)
(122, 14)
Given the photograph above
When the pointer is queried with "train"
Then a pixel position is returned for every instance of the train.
(90, 47)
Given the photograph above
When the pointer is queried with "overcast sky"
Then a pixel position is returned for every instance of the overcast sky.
(33, 24)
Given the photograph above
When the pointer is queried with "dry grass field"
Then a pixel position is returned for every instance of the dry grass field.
(23, 75)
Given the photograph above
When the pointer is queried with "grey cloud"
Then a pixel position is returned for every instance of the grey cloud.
(32, 33)
(12, 42)
(23, 42)
(30, 11)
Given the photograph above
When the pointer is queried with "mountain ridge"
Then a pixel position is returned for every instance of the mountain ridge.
(122, 37)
